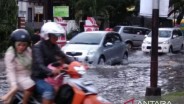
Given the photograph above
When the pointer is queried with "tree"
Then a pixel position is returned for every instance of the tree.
(8, 21)
(114, 11)
(92, 8)
(178, 6)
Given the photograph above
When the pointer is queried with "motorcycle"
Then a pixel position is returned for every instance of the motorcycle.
(74, 90)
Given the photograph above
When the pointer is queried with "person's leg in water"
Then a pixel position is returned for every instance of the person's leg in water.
(46, 90)
(8, 96)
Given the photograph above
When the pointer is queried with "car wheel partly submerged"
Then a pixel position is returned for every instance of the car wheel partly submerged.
(125, 59)
(171, 50)
(129, 45)
(101, 61)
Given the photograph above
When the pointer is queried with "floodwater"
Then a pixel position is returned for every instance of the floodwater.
(120, 83)
(124, 82)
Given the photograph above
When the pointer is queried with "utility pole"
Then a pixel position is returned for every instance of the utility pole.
(48, 10)
(153, 90)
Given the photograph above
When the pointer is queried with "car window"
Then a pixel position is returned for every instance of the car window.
(87, 38)
(128, 30)
(141, 31)
(147, 31)
(162, 33)
(138, 31)
(116, 29)
(175, 33)
(108, 38)
(116, 38)
(179, 33)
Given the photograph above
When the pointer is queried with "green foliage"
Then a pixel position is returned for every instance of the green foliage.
(177, 6)
(107, 10)
(8, 22)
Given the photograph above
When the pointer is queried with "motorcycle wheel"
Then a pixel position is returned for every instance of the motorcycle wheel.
(64, 95)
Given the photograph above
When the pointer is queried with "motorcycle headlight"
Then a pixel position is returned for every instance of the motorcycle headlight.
(80, 69)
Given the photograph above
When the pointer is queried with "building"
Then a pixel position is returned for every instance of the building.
(33, 13)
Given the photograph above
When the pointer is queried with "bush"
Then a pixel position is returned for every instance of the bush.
(8, 22)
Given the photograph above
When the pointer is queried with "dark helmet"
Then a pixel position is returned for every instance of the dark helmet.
(20, 35)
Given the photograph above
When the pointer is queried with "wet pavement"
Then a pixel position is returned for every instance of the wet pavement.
(123, 82)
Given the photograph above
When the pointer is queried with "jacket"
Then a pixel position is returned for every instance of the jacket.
(16, 71)
(43, 54)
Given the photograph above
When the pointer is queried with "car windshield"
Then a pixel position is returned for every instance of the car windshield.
(116, 28)
(87, 38)
(162, 33)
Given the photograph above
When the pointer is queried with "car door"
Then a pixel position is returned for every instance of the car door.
(108, 48)
(174, 40)
(126, 33)
(118, 47)
(139, 35)
(180, 39)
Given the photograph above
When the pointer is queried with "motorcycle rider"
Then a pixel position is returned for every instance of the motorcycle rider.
(18, 59)
(44, 53)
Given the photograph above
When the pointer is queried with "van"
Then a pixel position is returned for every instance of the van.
(133, 36)
(169, 40)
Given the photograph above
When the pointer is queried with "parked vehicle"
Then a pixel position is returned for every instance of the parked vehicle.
(132, 35)
(75, 90)
(169, 40)
(97, 47)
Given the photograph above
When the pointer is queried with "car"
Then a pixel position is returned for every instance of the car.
(169, 40)
(97, 47)
(132, 35)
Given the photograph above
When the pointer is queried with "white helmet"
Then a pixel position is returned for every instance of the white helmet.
(51, 28)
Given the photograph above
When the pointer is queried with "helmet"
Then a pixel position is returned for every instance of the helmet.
(51, 28)
(20, 35)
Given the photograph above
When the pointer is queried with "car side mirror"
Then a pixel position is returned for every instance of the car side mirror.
(67, 42)
(145, 36)
(108, 44)
(174, 36)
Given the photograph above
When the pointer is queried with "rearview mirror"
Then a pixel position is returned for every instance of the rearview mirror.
(108, 44)
(174, 36)
(67, 42)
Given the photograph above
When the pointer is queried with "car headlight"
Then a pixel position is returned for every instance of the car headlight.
(91, 52)
(166, 42)
(146, 42)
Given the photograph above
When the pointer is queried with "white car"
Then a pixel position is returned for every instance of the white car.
(97, 47)
(169, 40)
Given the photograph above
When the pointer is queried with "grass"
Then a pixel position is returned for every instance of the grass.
(176, 97)
(170, 98)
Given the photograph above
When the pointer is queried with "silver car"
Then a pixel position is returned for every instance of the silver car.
(97, 47)
(132, 35)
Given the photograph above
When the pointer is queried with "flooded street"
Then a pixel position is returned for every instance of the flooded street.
(123, 82)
